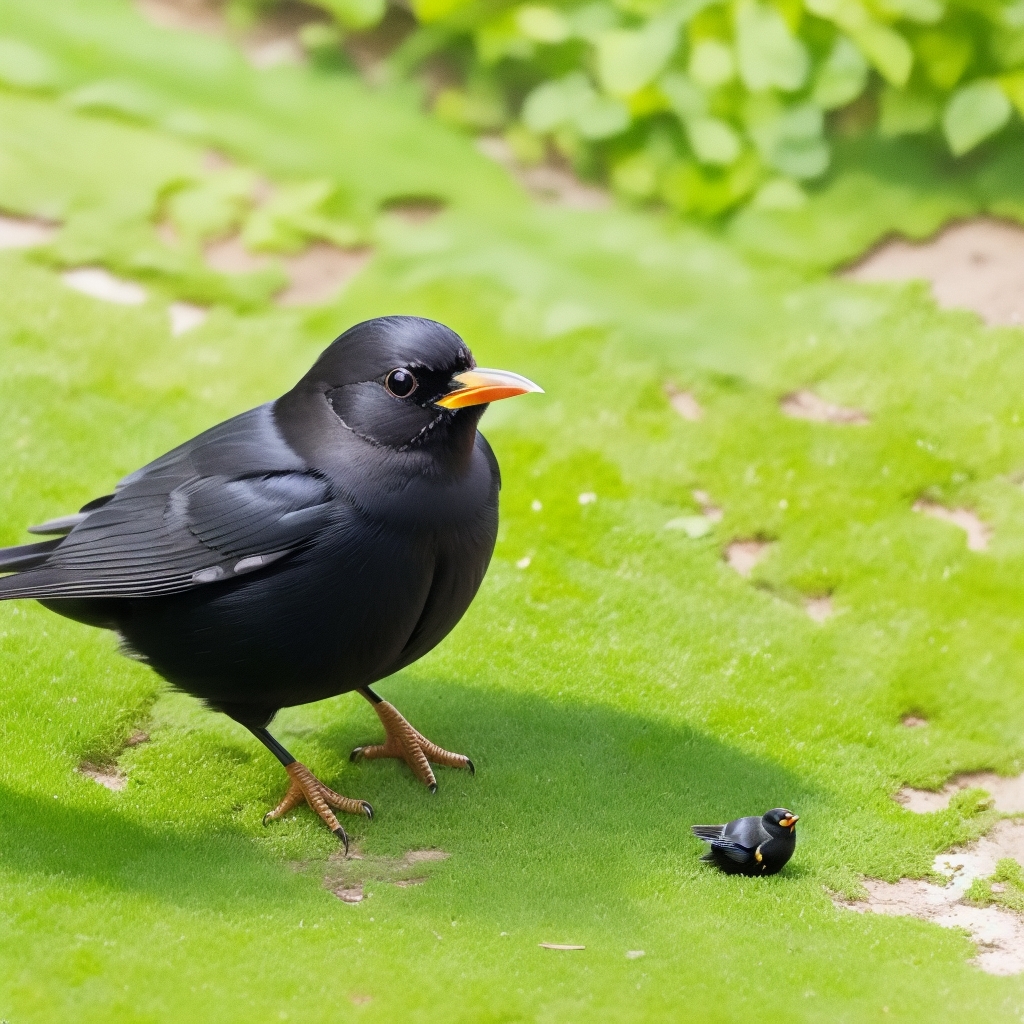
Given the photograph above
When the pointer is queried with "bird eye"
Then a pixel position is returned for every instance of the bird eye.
(401, 383)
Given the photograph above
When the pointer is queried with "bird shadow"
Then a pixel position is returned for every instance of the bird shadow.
(569, 788)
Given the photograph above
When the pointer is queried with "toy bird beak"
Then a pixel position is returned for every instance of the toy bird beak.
(475, 387)
(790, 821)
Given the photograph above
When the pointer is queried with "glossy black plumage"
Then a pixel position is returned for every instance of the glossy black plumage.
(303, 549)
(753, 845)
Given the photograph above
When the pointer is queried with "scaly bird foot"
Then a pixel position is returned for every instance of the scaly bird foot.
(404, 742)
(306, 787)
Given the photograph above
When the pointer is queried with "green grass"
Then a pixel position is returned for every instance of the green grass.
(623, 686)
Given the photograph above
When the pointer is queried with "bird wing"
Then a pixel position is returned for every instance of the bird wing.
(746, 832)
(233, 500)
(737, 840)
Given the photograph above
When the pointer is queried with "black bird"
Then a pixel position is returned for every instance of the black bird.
(303, 549)
(751, 846)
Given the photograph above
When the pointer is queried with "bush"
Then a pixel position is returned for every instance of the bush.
(705, 105)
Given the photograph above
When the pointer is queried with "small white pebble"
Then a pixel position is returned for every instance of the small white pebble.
(536, 505)
(634, 954)
(587, 498)
(184, 317)
(523, 563)
(101, 284)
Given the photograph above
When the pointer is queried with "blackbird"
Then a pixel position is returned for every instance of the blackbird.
(306, 548)
(751, 846)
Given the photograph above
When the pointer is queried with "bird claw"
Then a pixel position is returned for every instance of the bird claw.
(405, 743)
(305, 787)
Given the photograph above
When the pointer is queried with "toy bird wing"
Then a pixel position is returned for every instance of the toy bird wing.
(232, 501)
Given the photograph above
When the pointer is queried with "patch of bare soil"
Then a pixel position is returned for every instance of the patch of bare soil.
(806, 405)
(318, 273)
(230, 256)
(24, 232)
(184, 15)
(551, 184)
(346, 876)
(1007, 793)
(272, 40)
(914, 721)
(998, 933)
(348, 893)
(978, 533)
(315, 275)
(108, 777)
(976, 264)
(819, 608)
(708, 508)
(743, 555)
(369, 49)
(684, 403)
(101, 284)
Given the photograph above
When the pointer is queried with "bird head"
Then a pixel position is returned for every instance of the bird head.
(778, 821)
(404, 382)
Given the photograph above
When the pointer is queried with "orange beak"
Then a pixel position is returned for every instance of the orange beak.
(790, 821)
(476, 387)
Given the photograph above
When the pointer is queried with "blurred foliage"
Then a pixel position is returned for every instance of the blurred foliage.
(705, 105)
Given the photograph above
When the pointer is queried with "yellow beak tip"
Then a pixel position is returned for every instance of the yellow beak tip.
(481, 386)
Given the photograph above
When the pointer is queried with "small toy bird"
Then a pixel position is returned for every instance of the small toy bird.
(307, 548)
(751, 846)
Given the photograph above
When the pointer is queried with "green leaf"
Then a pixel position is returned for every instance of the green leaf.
(906, 112)
(688, 189)
(214, 206)
(428, 11)
(1013, 86)
(711, 63)
(945, 57)
(574, 101)
(973, 113)
(129, 99)
(24, 67)
(842, 76)
(714, 141)
(476, 111)
(356, 14)
(770, 56)
(779, 194)
(924, 12)
(542, 24)
(628, 60)
(636, 176)
(684, 97)
(293, 215)
(601, 118)
(887, 50)
(554, 103)
(500, 38)
(790, 139)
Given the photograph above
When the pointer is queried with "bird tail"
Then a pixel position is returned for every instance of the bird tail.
(25, 556)
(709, 833)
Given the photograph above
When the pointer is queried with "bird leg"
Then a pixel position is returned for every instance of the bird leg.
(403, 741)
(305, 787)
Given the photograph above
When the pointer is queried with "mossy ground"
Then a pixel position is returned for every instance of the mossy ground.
(622, 686)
